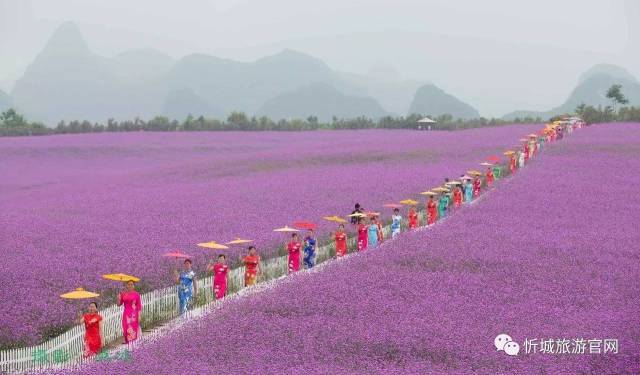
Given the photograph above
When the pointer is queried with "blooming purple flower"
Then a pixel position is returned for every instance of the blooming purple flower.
(548, 253)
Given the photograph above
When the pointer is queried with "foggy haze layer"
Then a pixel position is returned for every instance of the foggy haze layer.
(498, 55)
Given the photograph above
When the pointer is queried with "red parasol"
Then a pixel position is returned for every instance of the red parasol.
(305, 225)
(493, 158)
(176, 254)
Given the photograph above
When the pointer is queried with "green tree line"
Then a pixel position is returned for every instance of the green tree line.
(14, 124)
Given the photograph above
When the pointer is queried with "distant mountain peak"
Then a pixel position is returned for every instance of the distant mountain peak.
(67, 37)
(290, 56)
(432, 100)
(611, 70)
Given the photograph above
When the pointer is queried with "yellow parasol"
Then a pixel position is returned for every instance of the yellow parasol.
(238, 241)
(474, 172)
(286, 229)
(335, 218)
(213, 245)
(120, 277)
(453, 183)
(509, 152)
(429, 193)
(79, 293)
(357, 214)
(409, 202)
(440, 190)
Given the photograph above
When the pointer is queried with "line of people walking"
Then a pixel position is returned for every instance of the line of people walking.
(367, 227)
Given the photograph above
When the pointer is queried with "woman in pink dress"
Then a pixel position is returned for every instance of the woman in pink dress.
(131, 316)
(476, 186)
(362, 235)
(293, 247)
(220, 271)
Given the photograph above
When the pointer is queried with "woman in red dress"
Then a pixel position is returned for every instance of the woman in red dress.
(413, 218)
(293, 247)
(341, 241)
(92, 337)
(432, 212)
(362, 235)
(489, 176)
(220, 272)
(252, 266)
(457, 196)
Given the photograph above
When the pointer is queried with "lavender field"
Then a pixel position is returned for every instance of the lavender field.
(78, 206)
(550, 253)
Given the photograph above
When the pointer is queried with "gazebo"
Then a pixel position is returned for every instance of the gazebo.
(427, 121)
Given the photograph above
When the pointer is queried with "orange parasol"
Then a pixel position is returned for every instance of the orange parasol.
(238, 241)
(120, 277)
(213, 245)
(79, 293)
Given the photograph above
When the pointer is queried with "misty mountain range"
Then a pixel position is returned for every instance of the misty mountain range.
(67, 81)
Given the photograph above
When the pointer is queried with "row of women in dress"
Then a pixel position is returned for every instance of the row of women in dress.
(369, 235)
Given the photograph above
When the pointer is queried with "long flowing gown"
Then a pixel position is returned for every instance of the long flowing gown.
(395, 225)
(476, 186)
(220, 272)
(442, 206)
(362, 237)
(413, 219)
(496, 171)
(309, 252)
(131, 315)
(468, 193)
(185, 290)
(251, 269)
(372, 241)
(92, 337)
(489, 177)
(341, 244)
(432, 212)
(294, 256)
(457, 197)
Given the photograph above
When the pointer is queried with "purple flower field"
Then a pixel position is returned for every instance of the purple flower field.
(550, 253)
(75, 207)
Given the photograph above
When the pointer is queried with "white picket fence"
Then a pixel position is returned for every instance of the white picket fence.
(161, 305)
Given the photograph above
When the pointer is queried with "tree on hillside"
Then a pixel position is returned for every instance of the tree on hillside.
(12, 119)
(615, 94)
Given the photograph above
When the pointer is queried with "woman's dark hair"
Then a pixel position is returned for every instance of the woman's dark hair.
(188, 260)
(251, 247)
(294, 234)
(94, 303)
(357, 205)
(396, 210)
(222, 256)
(341, 225)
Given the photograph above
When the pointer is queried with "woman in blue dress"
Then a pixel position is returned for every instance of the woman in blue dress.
(395, 224)
(468, 191)
(372, 240)
(309, 250)
(187, 287)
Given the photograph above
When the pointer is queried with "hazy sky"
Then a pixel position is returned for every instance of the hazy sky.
(421, 39)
